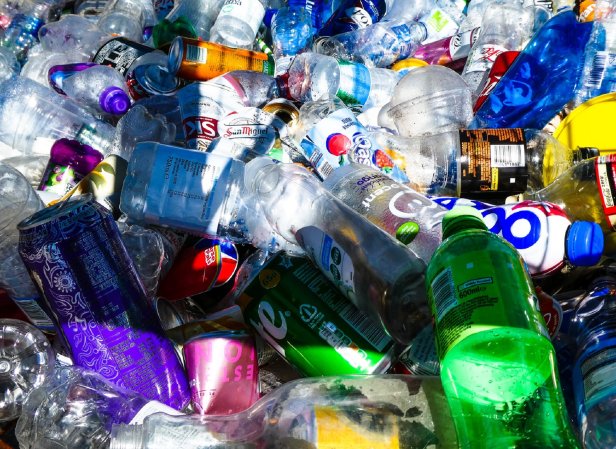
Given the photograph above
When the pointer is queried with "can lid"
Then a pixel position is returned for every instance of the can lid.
(461, 218)
(52, 213)
(176, 51)
(114, 100)
(584, 243)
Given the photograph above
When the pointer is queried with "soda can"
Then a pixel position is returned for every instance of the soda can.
(76, 258)
(201, 61)
(305, 318)
(500, 66)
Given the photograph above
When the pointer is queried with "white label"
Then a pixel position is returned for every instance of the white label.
(282, 65)
(507, 156)
(150, 408)
(420, 358)
(250, 11)
(334, 262)
(188, 189)
(483, 57)
(444, 293)
(34, 312)
(194, 53)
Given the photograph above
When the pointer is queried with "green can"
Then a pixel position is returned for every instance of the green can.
(305, 318)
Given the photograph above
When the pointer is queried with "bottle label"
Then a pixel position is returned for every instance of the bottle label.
(483, 58)
(352, 15)
(605, 171)
(251, 12)
(460, 45)
(420, 358)
(339, 139)
(601, 61)
(202, 105)
(59, 179)
(500, 66)
(493, 160)
(31, 308)
(293, 306)
(188, 189)
(537, 230)
(330, 257)
(354, 87)
(252, 128)
(120, 53)
(466, 298)
(439, 25)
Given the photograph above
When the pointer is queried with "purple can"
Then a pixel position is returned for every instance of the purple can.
(76, 258)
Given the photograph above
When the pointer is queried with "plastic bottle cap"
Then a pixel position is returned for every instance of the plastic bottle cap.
(114, 100)
(584, 243)
(462, 217)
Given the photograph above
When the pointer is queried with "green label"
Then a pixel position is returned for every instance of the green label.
(407, 232)
(485, 289)
(305, 319)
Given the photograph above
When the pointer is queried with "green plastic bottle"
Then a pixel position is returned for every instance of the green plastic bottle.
(498, 365)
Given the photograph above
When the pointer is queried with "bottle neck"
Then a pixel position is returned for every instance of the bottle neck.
(125, 436)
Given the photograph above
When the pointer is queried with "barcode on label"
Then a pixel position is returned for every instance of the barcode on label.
(34, 312)
(507, 156)
(196, 54)
(366, 327)
(444, 293)
(597, 72)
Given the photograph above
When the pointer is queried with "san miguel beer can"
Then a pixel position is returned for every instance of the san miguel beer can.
(76, 258)
(201, 61)
(302, 315)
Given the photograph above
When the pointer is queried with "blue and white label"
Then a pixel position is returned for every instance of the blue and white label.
(354, 87)
(339, 139)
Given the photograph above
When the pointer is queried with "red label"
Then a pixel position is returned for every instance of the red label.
(200, 128)
(501, 65)
(605, 171)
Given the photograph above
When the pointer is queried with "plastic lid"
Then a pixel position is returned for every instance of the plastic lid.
(584, 243)
(114, 100)
(462, 218)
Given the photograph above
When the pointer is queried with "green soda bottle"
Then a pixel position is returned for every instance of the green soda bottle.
(498, 366)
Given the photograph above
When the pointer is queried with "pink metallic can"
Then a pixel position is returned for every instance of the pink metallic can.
(223, 372)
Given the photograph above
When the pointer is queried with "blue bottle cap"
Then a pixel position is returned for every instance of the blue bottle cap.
(269, 16)
(114, 100)
(584, 243)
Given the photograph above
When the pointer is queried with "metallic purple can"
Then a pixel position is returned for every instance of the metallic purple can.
(76, 258)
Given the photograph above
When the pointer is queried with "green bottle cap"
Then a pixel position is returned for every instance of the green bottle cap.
(461, 218)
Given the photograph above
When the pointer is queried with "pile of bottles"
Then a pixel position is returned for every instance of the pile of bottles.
(302, 224)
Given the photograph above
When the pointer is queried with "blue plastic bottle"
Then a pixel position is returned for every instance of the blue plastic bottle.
(542, 79)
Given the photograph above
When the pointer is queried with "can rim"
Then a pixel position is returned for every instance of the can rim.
(51, 213)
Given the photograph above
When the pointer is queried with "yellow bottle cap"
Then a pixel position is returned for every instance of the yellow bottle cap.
(408, 64)
(590, 124)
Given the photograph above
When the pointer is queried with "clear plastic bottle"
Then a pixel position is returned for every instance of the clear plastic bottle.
(292, 33)
(593, 332)
(379, 275)
(200, 14)
(26, 359)
(32, 116)
(498, 365)
(99, 87)
(21, 34)
(72, 34)
(377, 45)
(368, 409)
(313, 76)
(238, 22)
(403, 213)
(124, 18)
(352, 15)
(599, 73)
(448, 164)
(505, 26)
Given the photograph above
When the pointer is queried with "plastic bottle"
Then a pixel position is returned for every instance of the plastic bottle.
(543, 234)
(26, 359)
(320, 10)
(32, 116)
(238, 22)
(542, 78)
(377, 45)
(592, 331)
(330, 136)
(380, 276)
(101, 88)
(352, 15)
(429, 100)
(403, 213)
(124, 18)
(313, 412)
(505, 26)
(190, 18)
(526, 161)
(18, 201)
(498, 365)
(598, 76)
(22, 32)
(292, 33)
(313, 77)
(72, 34)
(76, 407)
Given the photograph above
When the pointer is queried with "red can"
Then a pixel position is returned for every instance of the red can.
(500, 66)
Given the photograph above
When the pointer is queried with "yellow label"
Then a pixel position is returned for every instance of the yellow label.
(269, 278)
(337, 431)
(494, 178)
